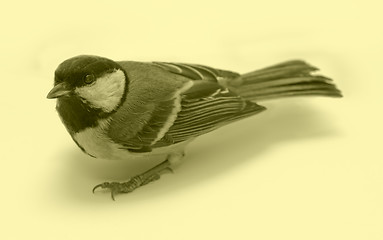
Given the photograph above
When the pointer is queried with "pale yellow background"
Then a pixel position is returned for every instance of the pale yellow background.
(308, 168)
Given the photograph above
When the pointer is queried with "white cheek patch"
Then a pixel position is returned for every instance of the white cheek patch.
(106, 92)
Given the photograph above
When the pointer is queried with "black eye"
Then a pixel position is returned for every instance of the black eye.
(89, 78)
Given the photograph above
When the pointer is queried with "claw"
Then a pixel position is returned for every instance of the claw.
(97, 186)
(114, 188)
(108, 185)
(101, 185)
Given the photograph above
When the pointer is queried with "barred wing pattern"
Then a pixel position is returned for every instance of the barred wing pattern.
(207, 106)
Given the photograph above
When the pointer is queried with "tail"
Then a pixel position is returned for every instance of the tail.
(291, 78)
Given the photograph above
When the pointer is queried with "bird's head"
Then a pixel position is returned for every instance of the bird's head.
(98, 82)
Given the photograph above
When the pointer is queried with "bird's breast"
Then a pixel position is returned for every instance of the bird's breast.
(95, 142)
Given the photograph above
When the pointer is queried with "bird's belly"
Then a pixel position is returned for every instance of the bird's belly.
(96, 143)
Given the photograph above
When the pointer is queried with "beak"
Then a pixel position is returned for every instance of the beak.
(59, 90)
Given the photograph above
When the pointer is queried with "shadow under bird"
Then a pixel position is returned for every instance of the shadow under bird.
(126, 109)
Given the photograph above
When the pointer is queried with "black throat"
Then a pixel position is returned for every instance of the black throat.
(76, 115)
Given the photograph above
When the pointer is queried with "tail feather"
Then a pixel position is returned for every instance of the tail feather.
(292, 78)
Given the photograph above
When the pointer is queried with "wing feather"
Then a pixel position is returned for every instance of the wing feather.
(201, 108)
(196, 71)
(200, 115)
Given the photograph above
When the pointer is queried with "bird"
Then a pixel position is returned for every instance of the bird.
(129, 109)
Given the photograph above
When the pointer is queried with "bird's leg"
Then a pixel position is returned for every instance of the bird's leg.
(141, 179)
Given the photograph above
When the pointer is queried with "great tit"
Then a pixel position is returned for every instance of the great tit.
(126, 109)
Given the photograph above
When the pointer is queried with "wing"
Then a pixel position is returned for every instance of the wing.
(202, 114)
(150, 107)
(207, 105)
(148, 120)
(193, 103)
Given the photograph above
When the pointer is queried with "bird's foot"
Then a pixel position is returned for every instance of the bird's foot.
(127, 187)
(151, 175)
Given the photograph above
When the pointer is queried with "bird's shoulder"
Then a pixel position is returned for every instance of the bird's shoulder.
(151, 104)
